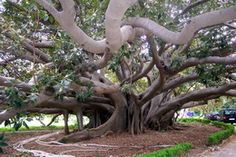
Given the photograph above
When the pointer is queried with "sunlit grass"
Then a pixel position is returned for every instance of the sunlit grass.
(52, 127)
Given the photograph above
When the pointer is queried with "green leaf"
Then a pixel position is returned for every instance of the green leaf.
(3, 144)
(1, 137)
(7, 122)
(17, 125)
(25, 125)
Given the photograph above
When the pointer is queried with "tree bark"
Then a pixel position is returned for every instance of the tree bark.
(116, 123)
(66, 127)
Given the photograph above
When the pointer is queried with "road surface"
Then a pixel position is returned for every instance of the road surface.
(227, 149)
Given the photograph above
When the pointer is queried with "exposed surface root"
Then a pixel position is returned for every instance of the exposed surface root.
(94, 147)
(19, 146)
(122, 144)
(76, 147)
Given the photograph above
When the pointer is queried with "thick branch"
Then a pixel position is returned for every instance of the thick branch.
(208, 60)
(46, 110)
(66, 20)
(193, 104)
(9, 113)
(99, 87)
(178, 81)
(116, 36)
(230, 93)
(33, 50)
(195, 24)
(194, 96)
(113, 17)
(8, 82)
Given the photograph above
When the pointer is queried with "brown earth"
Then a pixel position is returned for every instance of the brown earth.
(118, 145)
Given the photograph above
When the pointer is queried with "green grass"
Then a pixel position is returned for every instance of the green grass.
(217, 137)
(52, 127)
(193, 120)
(174, 151)
(180, 149)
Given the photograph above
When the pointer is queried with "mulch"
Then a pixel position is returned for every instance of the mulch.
(120, 145)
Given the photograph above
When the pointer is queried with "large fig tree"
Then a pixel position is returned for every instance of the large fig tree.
(128, 65)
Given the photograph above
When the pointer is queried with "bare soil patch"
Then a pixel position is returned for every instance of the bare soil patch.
(121, 145)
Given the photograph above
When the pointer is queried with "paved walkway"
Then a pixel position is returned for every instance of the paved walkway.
(226, 150)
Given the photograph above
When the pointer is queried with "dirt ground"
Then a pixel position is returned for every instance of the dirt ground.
(116, 145)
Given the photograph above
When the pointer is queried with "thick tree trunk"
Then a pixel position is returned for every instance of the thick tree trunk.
(161, 121)
(128, 116)
(135, 117)
(116, 123)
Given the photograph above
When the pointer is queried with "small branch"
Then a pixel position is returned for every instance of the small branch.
(42, 44)
(53, 119)
(138, 74)
(40, 54)
(233, 26)
(191, 6)
(48, 7)
(159, 83)
(6, 61)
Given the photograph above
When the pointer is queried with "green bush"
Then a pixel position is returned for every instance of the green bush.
(174, 151)
(216, 137)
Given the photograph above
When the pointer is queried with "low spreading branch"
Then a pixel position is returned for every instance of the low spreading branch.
(8, 82)
(194, 96)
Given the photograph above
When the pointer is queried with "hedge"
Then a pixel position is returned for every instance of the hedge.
(173, 151)
(182, 148)
(217, 137)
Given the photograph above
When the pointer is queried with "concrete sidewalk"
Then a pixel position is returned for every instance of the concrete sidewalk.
(227, 149)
